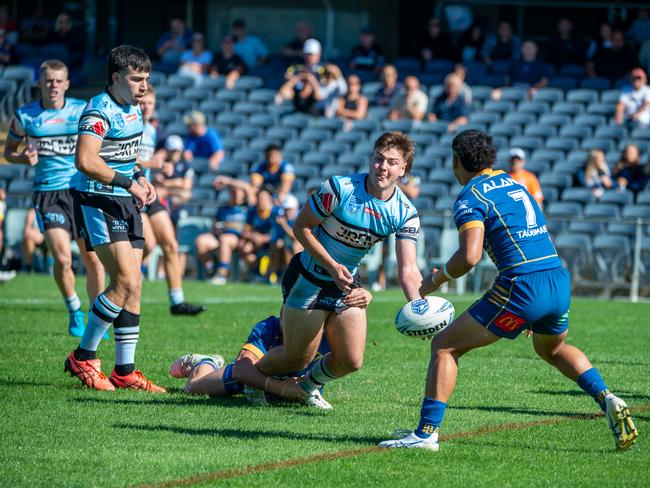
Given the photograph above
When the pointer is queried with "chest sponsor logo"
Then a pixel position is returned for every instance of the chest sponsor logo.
(509, 322)
(55, 145)
(131, 118)
(372, 212)
(356, 238)
(55, 121)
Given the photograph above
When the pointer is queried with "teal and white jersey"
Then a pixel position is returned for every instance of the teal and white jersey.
(119, 127)
(147, 146)
(353, 221)
(54, 135)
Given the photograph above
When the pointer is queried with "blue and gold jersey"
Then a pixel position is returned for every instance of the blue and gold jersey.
(267, 334)
(232, 219)
(516, 237)
(147, 147)
(261, 223)
(120, 128)
(352, 221)
(53, 133)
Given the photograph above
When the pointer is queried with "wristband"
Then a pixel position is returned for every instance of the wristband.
(121, 180)
(446, 273)
(137, 175)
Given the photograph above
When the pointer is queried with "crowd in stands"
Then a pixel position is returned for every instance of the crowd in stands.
(435, 90)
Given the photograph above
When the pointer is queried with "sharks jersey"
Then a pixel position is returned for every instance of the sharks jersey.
(516, 237)
(353, 221)
(53, 133)
(120, 128)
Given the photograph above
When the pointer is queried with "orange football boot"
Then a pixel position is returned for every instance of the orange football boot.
(134, 381)
(89, 373)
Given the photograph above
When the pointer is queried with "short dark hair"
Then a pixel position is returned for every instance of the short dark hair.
(475, 150)
(272, 147)
(401, 142)
(126, 57)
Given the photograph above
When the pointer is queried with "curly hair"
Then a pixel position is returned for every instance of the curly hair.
(475, 150)
(400, 141)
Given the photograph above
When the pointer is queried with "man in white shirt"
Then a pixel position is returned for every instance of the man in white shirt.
(633, 107)
(411, 103)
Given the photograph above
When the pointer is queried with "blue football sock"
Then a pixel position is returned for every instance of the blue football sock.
(102, 313)
(73, 303)
(431, 416)
(176, 296)
(592, 384)
(127, 331)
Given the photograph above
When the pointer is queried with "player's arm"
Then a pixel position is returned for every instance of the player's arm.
(245, 371)
(11, 153)
(408, 273)
(303, 228)
(469, 253)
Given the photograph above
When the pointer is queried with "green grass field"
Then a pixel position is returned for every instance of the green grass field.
(512, 421)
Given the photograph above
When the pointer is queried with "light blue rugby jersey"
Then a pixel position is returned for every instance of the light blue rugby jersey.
(54, 134)
(353, 221)
(516, 237)
(147, 147)
(120, 128)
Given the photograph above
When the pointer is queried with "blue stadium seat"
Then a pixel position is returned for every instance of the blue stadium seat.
(503, 129)
(283, 134)
(586, 227)
(563, 82)
(247, 108)
(481, 93)
(352, 137)
(616, 197)
(527, 142)
(406, 66)
(583, 96)
(332, 147)
(596, 83)
(514, 94)
(576, 131)
(425, 140)
(248, 83)
(444, 204)
(558, 180)
(260, 144)
(180, 105)
(573, 70)
(264, 96)
(200, 194)
(611, 132)
(568, 108)
(329, 124)
(434, 92)
(569, 167)
(351, 160)
(177, 128)
(567, 210)
(623, 229)
(157, 78)
(302, 147)
(640, 133)
(557, 120)
(499, 66)
(400, 125)
(204, 181)
(230, 119)
(574, 249)
(212, 84)
(178, 81)
(246, 132)
(637, 212)
(601, 211)
(562, 143)
(547, 155)
(370, 89)
(470, 126)
(437, 151)
(366, 126)
(538, 167)
(20, 186)
(295, 121)
(520, 118)
(484, 117)
(11, 171)
(601, 108)
(442, 175)
(610, 96)
(188, 229)
(315, 135)
(598, 143)
(318, 159)
(548, 95)
(611, 255)
(540, 130)
(536, 107)
(200, 165)
(424, 163)
(364, 149)
(262, 120)
(591, 120)
(247, 157)
(475, 71)
(439, 127)
(578, 194)
(196, 95)
(501, 107)
(643, 198)
(232, 143)
(230, 96)
(644, 146)
(377, 113)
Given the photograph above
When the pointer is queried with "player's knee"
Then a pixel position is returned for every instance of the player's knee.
(170, 247)
(64, 262)
(353, 364)
(128, 285)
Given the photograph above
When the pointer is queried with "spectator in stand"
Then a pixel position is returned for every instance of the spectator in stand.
(36, 30)
(390, 87)
(71, 38)
(202, 141)
(596, 174)
(470, 44)
(196, 62)
(228, 64)
(274, 174)
(501, 47)
(284, 244)
(529, 71)
(630, 174)
(411, 104)
(227, 231)
(639, 32)
(8, 25)
(311, 61)
(461, 72)
(601, 42)
(257, 233)
(332, 86)
(435, 44)
(173, 44)
(174, 181)
(7, 55)
(293, 51)
(523, 176)
(614, 62)
(633, 107)
(353, 106)
(450, 105)
(368, 55)
(565, 47)
(249, 47)
(304, 89)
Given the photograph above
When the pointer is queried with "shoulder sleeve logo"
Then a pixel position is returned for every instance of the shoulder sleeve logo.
(99, 129)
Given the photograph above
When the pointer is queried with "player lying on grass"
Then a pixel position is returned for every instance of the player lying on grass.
(207, 374)
(344, 219)
(532, 291)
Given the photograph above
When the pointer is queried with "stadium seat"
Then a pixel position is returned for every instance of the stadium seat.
(248, 83)
(637, 212)
(377, 113)
(562, 143)
(315, 135)
(188, 229)
(506, 130)
(487, 118)
(11, 171)
(328, 124)
(601, 108)
(514, 94)
(527, 142)
(601, 211)
(332, 147)
(620, 228)
(180, 105)
(365, 126)
(521, 118)
(583, 96)
(611, 132)
(563, 82)
(538, 167)
(576, 131)
(610, 96)
(157, 78)
(261, 120)
(611, 254)
(264, 96)
(597, 83)
(246, 132)
(573, 70)
(406, 66)
(196, 95)
(179, 81)
(232, 143)
(295, 121)
(578, 194)
(164, 93)
(644, 146)
(204, 181)
(438, 127)
(282, 134)
(540, 130)
(591, 120)
(200, 165)
(350, 137)
(247, 157)
(200, 194)
(247, 108)
(423, 141)
(443, 66)
(546, 155)
(297, 146)
(548, 95)
(533, 107)
(444, 204)
(370, 89)
(364, 149)
(556, 120)
(598, 143)
(643, 198)
(558, 180)
(441, 175)
(13, 226)
(212, 84)
(568, 108)
(500, 107)
(318, 159)
(586, 227)
(230, 96)
(574, 249)
(401, 125)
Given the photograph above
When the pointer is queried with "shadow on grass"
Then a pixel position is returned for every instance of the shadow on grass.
(626, 395)
(39, 384)
(251, 434)
(528, 447)
(516, 410)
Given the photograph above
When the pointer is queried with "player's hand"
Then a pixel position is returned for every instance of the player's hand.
(30, 155)
(341, 276)
(292, 391)
(140, 194)
(358, 297)
(151, 190)
(431, 283)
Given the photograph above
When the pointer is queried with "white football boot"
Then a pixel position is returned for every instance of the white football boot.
(182, 367)
(412, 441)
(620, 422)
(316, 400)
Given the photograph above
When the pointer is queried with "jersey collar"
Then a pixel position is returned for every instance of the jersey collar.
(110, 95)
(65, 101)
(489, 172)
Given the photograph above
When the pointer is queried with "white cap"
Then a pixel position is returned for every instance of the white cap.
(517, 152)
(174, 143)
(290, 201)
(311, 46)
